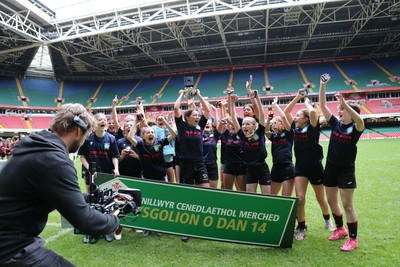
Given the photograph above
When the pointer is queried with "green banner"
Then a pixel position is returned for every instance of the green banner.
(214, 214)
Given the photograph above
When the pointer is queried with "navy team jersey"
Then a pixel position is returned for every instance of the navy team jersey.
(307, 149)
(152, 158)
(342, 148)
(118, 134)
(254, 151)
(129, 166)
(210, 146)
(100, 150)
(190, 140)
(232, 147)
(281, 146)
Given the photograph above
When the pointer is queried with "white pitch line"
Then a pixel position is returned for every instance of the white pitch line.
(53, 224)
(62, 232)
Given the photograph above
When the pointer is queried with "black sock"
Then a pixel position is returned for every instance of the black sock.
(353, 229)
(326, 216)
(302, 225)
(338, 220)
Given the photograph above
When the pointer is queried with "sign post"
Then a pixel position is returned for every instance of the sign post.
(220, 215)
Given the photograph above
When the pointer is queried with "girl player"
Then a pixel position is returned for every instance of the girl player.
(340, 168)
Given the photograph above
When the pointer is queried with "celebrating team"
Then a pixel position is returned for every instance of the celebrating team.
(188, 151)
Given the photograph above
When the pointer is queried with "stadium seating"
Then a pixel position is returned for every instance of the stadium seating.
(40, 122)
(387, 105)
(387, 131)
(80, 91)
(110, 89)
(13, 122)
(9, 91)
(313, 73)
(213, 84)
(285, 79)
(147, 90)
(391, 64)
(175, 84)
(241, 76)
(41, 93)
(364, 72)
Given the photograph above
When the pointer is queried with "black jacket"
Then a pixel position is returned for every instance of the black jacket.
(37, 179)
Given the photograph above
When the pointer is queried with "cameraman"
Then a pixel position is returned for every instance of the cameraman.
(39, 178)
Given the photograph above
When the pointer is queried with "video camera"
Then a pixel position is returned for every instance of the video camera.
(103, 201)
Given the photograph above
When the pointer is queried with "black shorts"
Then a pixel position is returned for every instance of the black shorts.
(169, 164)
(282, 172)
(176, 161)
(340, 176)
(258, 174)
(212, 171)
(236, 168)
(314, 173)
(193, 173)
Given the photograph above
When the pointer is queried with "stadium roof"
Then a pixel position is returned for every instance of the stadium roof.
(169, 36)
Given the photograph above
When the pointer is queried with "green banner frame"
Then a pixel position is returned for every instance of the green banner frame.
(214, 214)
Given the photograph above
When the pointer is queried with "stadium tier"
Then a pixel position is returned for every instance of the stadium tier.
(213, 84)
(12, 122)
(40, 122)
(9, 91)
(284, 79)
(241, 76)
(41, 93)
(82, 92)
(313, 72)
(110, 89)
(388, 105)
(365, 73)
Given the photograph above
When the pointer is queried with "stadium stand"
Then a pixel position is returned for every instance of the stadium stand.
(9, 91)
(391, 64)
(110, 89)
(80, 91)
(213, 84)
(175, 84)
(40, 122)
(388, 105)
(313, 73)
(13, 122)
(364, 72)
(41, 93)
(147, 90)
(241, 76)
(387, 131)
(285, 79)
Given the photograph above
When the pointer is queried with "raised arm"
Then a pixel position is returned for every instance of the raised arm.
(172, 132)
(131, 134)
(177, 105)
(214, 113)
(288, 109)
(312, 111)
(114, 113)
(204, 104)
(353, 114)
(252, 99)
(286, 124)
(322, 100)
(235, 121)
(260, 108)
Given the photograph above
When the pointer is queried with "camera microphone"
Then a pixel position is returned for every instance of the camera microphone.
(92, 167)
